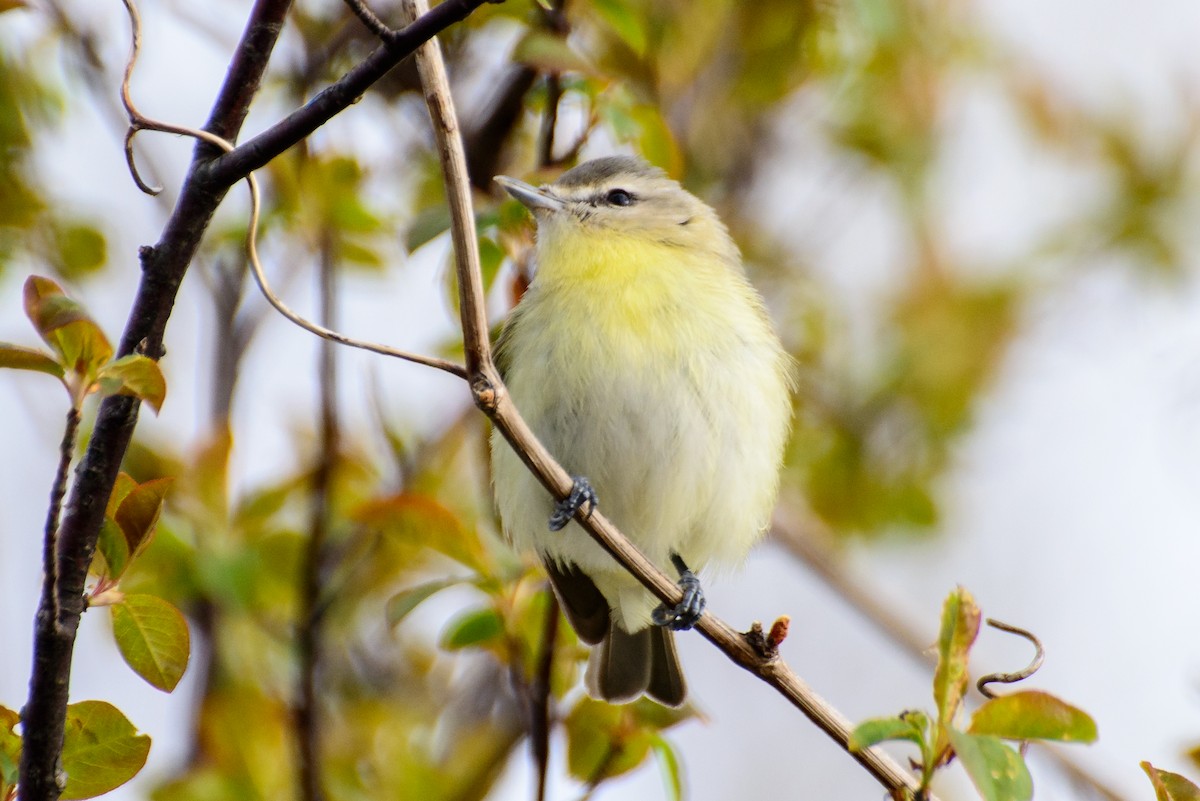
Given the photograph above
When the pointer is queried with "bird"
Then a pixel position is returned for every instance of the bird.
(645, 361)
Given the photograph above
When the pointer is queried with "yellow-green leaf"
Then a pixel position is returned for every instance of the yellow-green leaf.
(80, 249)
(473, 628)
(960, 626)
(549, 53)
(624, 22)
(672, 775)
(1171, 786)
(603, 741)
(153, 638)
(1033, 715)
(112, 549)
(66, 327)
(908, 726)
(402, 603)
(135, 375)
(10, 750)
(101, 750)
(997, 771)
(17, 357)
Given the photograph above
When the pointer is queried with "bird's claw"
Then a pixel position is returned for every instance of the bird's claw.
(684, 615)
(564, 510)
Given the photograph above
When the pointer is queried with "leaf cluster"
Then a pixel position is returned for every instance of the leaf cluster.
(996, 768)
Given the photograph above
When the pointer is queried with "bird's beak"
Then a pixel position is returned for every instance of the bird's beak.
(533, 198)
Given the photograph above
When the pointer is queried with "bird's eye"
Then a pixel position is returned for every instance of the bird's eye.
(619, 197)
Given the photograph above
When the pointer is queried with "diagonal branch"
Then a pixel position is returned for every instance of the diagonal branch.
(227, 169)
(493, 399)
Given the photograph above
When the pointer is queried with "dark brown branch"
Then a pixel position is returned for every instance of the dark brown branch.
(163, 268)
(227, 169)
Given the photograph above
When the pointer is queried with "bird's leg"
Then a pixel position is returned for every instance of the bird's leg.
(564, 510)
(689, 610)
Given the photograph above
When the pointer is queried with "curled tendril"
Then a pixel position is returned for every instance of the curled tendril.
(1011, 678)
(140, 122)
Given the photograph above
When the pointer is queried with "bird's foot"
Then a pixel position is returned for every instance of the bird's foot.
(564, 510)
(687, 612)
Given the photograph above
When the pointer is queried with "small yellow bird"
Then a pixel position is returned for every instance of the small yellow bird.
(645, 361)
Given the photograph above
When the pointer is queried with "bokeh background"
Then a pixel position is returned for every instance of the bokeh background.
(974, 222)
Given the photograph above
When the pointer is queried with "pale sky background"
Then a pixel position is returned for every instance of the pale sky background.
(1072, 505)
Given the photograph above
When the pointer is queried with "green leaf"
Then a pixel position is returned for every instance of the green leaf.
(135, 375)
(113, 549)
(66, 327)
(101, 751)
(998, 771)
(1171, 786)
(10, 750)
(669, 760)
(80, 249)
(20, 358)
(624, 23)
(153, 639)
(603, 740)
(491, 256)
(960, 626)
(138, 513)
(909, 726)
(1033, 715)
(473, 628)
(402, 603)
(549, 53)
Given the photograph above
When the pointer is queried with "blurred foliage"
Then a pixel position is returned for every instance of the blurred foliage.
(437, 643)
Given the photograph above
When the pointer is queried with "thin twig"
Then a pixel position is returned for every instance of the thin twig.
(58, 490)
(140, 122)
(539, 696)
(492, 397)
(1015, 676)
(549, 120)
(368, 18)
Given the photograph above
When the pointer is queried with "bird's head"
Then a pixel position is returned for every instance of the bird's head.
(622, 196)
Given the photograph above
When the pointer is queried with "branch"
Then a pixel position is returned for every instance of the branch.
(254, 153)
(163, 267)
(492, 398)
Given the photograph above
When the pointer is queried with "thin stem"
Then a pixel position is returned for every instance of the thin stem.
(539, 697)
(58, 491)
(310, 628)
(368, 18)
(549, 120)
